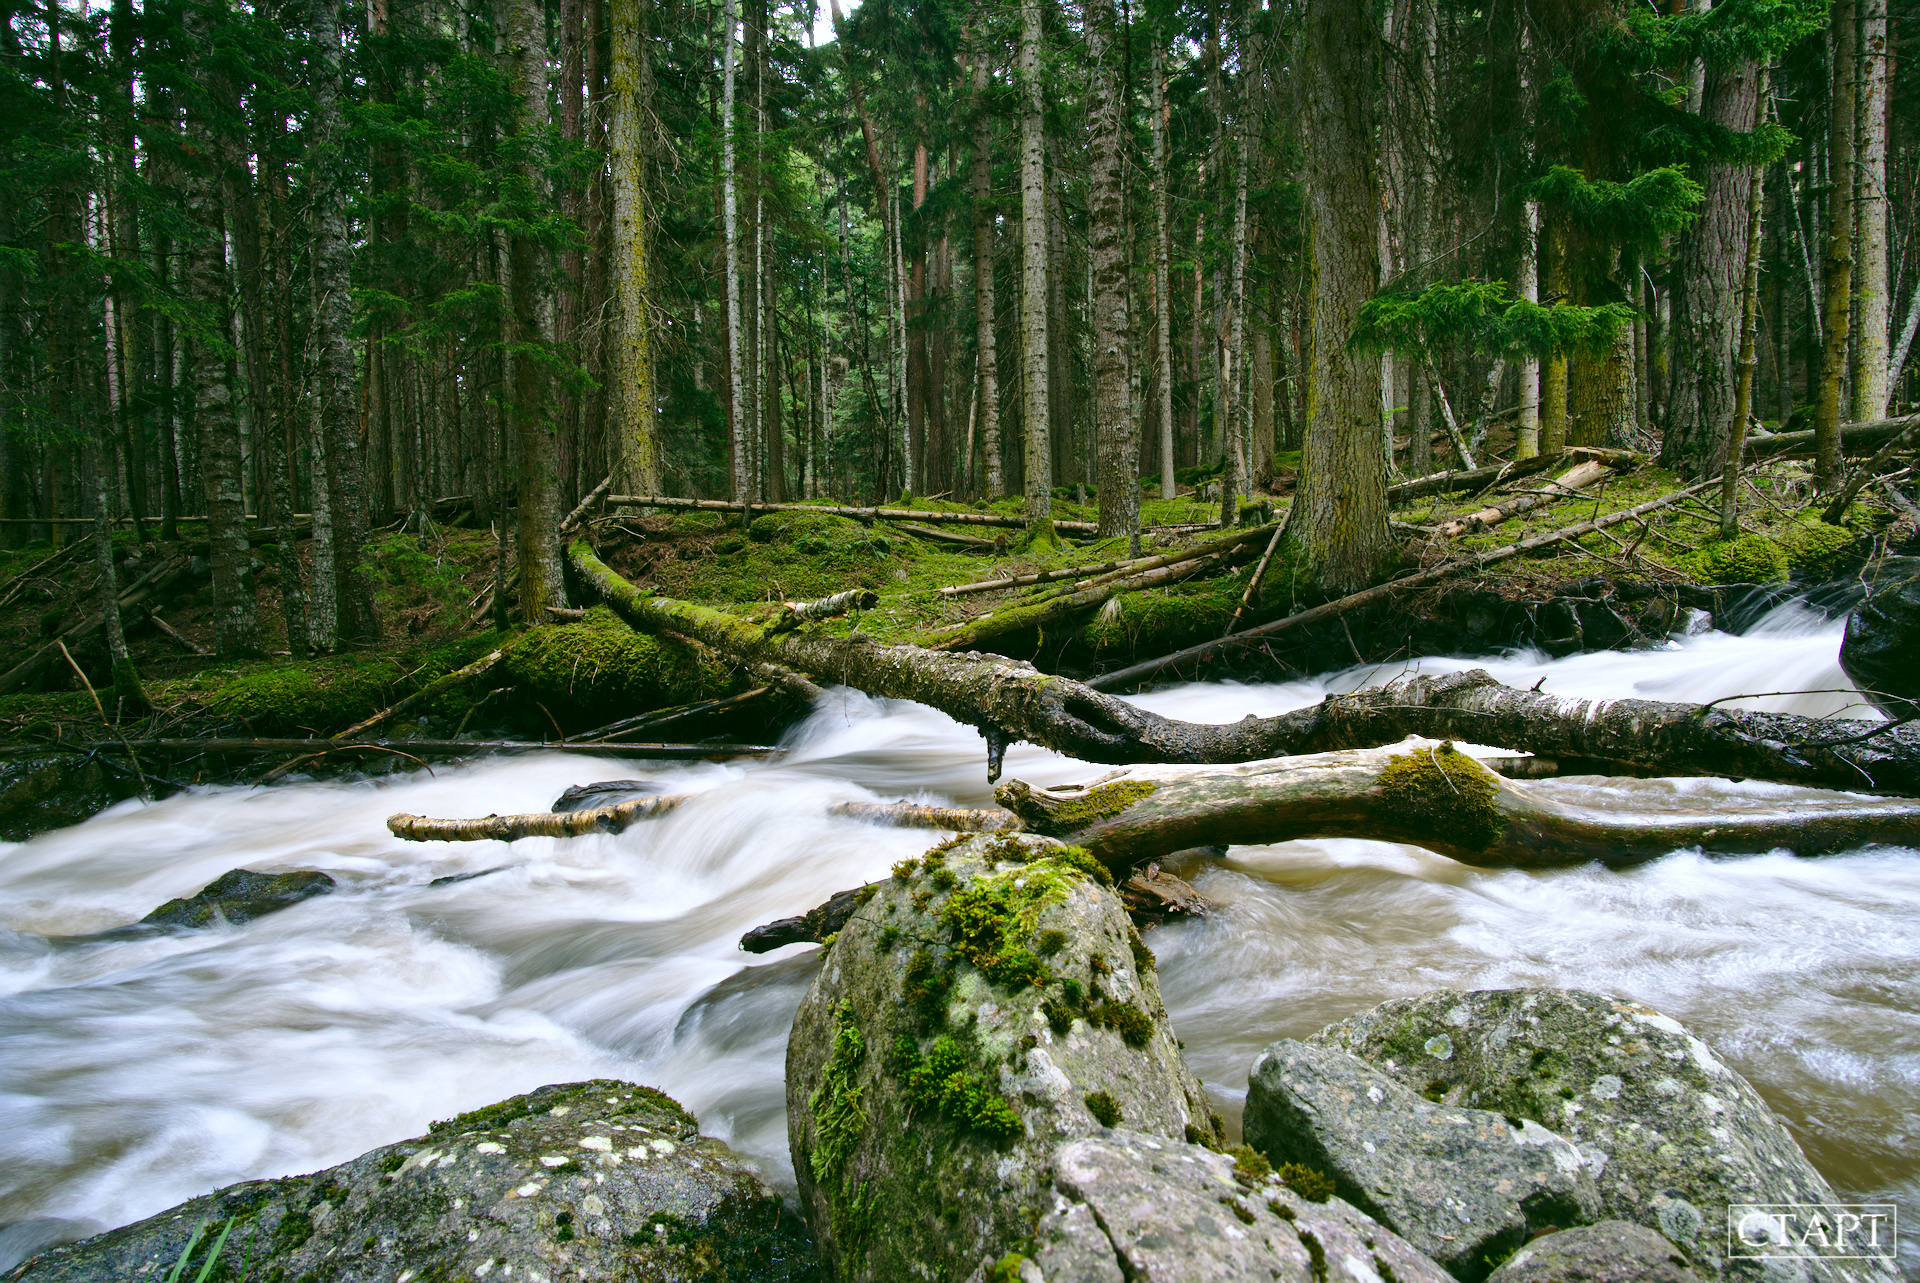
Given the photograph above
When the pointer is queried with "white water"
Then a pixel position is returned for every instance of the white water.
(136, 1074)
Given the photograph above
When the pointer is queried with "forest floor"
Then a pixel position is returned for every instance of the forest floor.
(565, 678)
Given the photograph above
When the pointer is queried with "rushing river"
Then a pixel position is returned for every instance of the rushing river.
(135, 1074)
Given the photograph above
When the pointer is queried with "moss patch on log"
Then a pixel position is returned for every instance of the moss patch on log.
(599, 668)
(1446, 791)
(1101, 802)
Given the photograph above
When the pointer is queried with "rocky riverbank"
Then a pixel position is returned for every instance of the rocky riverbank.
(983, 1084)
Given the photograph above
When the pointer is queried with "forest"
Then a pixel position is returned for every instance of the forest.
(327, 270)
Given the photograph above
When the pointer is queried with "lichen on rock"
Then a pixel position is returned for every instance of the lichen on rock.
(576, 1182)
(982, 984)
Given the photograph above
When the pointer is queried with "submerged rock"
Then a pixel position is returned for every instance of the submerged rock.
(1670, 1133)
(1128, 1206)
(985, 1005)
(585, 1181)
(1610, 1252)
(239, 896)
(1465, 1186)
(1881, 651)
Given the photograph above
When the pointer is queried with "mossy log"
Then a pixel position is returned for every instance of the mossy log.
(1009, 700)
(614, 818)
(1575, 479)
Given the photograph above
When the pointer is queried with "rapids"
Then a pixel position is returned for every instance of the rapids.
(136, 1073)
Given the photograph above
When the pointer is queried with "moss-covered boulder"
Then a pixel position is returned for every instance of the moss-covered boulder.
(987, 1003)
(586, 1181)
(1672, 1134)
(42, 791)
(598, 669)
(807, 531)
(1816, 550)
(239, 896)
(1750, 559)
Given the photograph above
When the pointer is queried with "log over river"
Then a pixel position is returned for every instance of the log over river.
(138, 1071)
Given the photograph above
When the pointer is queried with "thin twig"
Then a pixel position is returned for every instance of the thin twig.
(111, 728)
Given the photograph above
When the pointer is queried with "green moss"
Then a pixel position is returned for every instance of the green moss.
(1309, 1183)
(1103, 1107)
(599, 668)
(1816, 550)
(838, 1119)
(943, 1081)
(1099, 803)
(323, 697)
(1125, 1019)
(1750, 559)
(812, 532)
(1250, 1166)
(1143, 959)
(1164, 619)
(1007, 1269)
(697, 523)
(1447, 792)
(991, 920)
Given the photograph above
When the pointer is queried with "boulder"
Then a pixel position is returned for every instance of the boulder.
(240, 895)
(987, 1003)
(1881, 651)
(1464, 1186)
(1671, 1135)
(1610, 1252)
(593, 1180)
(1131, 1206)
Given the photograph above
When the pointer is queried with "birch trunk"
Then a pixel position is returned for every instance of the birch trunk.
(1116, 429)
(1033, 283)
(1339, 522)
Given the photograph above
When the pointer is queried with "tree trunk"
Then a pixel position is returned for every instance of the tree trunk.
(1339, 520)
(1034, 423)
(987, 360)
(236, 629)
(1163, 276)
(1009, 700)
(1711, 264)
(343, 610)
(633, 451)
(1553, 379)
(536, 463)
(1838, 301)
(1736, 445)
(1117, 431)
(1871, 281)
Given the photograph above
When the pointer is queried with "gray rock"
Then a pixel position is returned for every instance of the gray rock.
(1610, 1252)
(1881, 651)
(958, 1026)
(1465, 1186)
(1131, 1206)
(587, 1181)
(1671, 1134)
(240, 895)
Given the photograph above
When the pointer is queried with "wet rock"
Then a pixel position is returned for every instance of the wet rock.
(239, 896)
(594, 1180)
(41, 792)
(816, 923)
(1465, 1186)
(1558, 628)
(974, 1014)
(1153, 896)
(588, 797)
(1881, 651)
(1610, 1252)
(1670, 1133)
(1137, 1207)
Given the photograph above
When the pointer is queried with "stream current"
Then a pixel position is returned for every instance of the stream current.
(137, 1073)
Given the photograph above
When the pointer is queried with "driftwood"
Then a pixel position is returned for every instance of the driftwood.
(1366, 596)
(615, 818)
(1009, 700)
(857, 514)
(1575, 479)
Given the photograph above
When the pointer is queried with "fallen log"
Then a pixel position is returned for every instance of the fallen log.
(617, 817)
(949, 536)
(149, 586)
(1064, 606)
(857, 514)
(1038, 577)
(1855, 438)
(662, 716)
(1575, 479)
(795, 613)
(1009, 700)
(438, 686)
(1366, 596)
(1463, 480)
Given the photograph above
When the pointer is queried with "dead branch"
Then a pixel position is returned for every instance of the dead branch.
(438, 686)
(1577, 478)
(857, 514)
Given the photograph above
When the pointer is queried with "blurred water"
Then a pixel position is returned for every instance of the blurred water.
(134, 1074)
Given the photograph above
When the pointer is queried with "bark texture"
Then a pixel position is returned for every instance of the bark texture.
(632, 448)
(1837, 304)
(1339, 522)
(987, 357)
(1116, 430)
(1034, 425)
